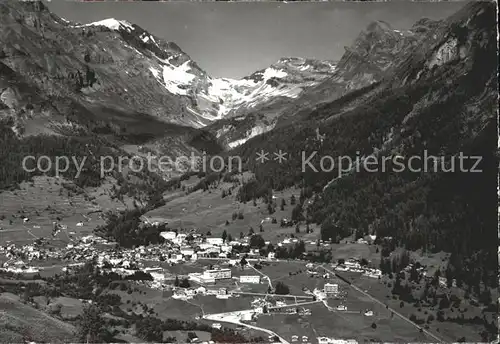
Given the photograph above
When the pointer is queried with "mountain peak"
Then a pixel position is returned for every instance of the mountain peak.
(112, 23)
(379, 25)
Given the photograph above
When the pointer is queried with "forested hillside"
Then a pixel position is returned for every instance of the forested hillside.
(438, 103)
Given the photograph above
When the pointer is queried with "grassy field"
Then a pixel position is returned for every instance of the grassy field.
(70, 307)
(345, 325)
(20, 323)
(447, 330)
(208, 211)
(46, 200)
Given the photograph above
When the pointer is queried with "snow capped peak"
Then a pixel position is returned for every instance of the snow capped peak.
(274, 73)
(112, 24)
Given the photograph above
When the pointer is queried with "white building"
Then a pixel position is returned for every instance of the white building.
(187, 251)
(206, 279)
(259, 310)
(247, 316)
(226, 248)
(179, 239)
(271, 255)
(168, 235)
(250, 279)
(331, 288)
(218, 326)
(215, 241)
(218, 273)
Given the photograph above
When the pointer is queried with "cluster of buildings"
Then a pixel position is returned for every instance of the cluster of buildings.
(354, 265)
(328, 340)
(83, 250)
(210, 276)
(189, 293)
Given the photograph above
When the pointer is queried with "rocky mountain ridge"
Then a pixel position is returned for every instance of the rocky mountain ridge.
(121, 65)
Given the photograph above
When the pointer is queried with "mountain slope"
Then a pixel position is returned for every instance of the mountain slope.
(440, 100)
(122, 66)
(368, 60)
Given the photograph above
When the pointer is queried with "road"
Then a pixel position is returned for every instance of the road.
(389, 308)
(294, 304)
(265, 276)
(273, 295)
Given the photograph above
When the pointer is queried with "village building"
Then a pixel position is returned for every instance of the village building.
(250, 279)
(170, 235)
(215, 241)
(331, 288)
(218, 274)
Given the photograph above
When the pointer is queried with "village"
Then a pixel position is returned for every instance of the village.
(226, 270)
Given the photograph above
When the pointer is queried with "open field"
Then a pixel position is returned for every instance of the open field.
(45, 200)
(211, 304)
(20, 322)
(447, 330)
(208, 211)
(346, 325)
(70, 307)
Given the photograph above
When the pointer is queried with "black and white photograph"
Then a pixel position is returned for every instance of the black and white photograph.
(219, 172)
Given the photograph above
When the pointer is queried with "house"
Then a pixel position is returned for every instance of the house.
(226, 248)
(250, 279)
(215, 241)
(341, 308)
(369, 313)
(280, 304)
(218, 273)
(79, 224)
(217, 326)
(169, 235)
(201, 290)
(187, 251)
(305, 338)
(247, 316)
(271, 255)
(179, 239)
(206, 279)
(295, 338)
(331, 288)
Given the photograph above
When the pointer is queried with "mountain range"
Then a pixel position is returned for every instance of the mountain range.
(110, 88)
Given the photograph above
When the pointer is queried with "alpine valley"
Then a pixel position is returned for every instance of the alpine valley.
(304, 248)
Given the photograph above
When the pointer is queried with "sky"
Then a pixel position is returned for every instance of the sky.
(235, 39)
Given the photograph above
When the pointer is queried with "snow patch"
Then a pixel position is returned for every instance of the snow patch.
(175, 77)
(111, 23)
(254, 132)
(274, 73)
